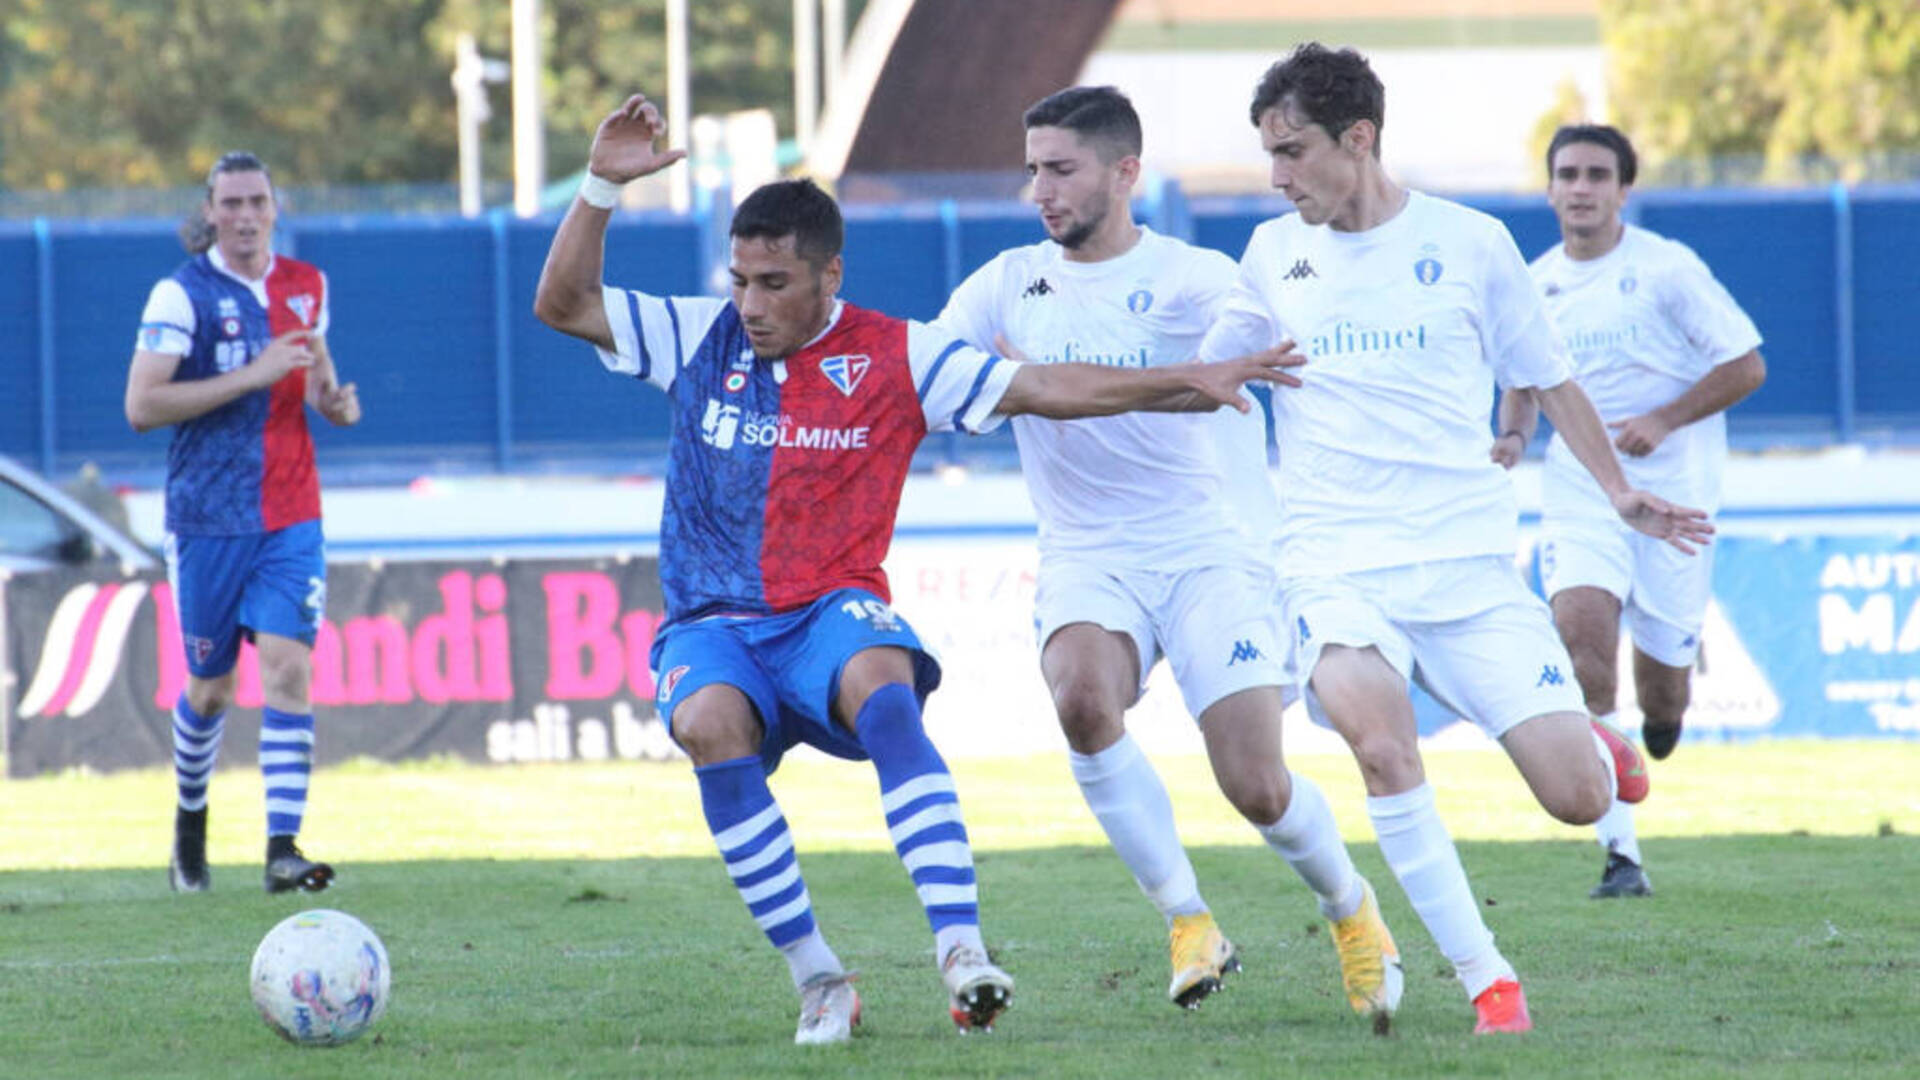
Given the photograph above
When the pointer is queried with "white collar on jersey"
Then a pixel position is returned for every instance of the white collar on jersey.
(259, 287)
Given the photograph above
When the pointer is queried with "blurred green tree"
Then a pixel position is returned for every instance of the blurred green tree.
(1785, 90)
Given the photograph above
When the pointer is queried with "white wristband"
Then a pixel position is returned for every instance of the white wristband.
(599, 191)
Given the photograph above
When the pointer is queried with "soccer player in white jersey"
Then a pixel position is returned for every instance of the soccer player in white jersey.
(1663, 351)
(1397, 531)
(1156, 539)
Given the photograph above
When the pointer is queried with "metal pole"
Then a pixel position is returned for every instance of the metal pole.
(470, 111)
(43, 268)
(529, 132)
(679, 105)
(1843, 357)
(833, 43)
(806, 71)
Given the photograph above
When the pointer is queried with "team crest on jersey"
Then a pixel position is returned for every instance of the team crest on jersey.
(150, 337)
(1628, 284)
(845, 372)
(229, 314)
(670, 680)
(1428, 270)
(302, 306)
(1138, 301)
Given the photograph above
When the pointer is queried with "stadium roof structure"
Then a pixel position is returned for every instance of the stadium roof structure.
(931, 86)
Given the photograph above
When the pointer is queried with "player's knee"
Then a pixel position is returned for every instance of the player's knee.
(287, 683)
(1387, 761)
(710, 735)
(1260, 797)
(1664, 705)
(207, 697)
(1088, 720)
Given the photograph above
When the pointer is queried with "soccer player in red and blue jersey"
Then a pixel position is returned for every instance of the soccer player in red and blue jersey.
(795, 417)
(231, 351)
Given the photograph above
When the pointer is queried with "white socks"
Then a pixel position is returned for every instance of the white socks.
(1308, 838)
(1421, 853)
(809, 956)
(1126, 795)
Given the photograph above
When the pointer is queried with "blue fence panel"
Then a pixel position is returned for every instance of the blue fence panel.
(1886, 286)
(20, 398)
(102, 274)
(986, 232)
(412, 325)
(1527, 217)
(896, 260)
(1774, 251)
(564, 402)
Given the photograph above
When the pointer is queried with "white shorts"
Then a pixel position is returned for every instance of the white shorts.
(1663, 592)
(1468, 631)
(1216, 626)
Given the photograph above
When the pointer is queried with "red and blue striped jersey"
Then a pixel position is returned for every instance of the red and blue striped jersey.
(247, 466)
(784, 476)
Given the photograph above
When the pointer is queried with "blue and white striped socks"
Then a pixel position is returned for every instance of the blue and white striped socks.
(752, 836)
(923, 815)
(196, 748)
(286, 761)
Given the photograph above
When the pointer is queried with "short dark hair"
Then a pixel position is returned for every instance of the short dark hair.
(237, 161)
(1332, 87)
(1100, 115)
(796, 208)
(1627, 164)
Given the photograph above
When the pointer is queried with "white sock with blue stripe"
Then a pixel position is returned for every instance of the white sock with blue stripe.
(196, 748)
(752, 836)
(286, 763)
(923, 815)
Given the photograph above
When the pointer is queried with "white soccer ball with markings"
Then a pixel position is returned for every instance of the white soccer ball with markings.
(320, 978)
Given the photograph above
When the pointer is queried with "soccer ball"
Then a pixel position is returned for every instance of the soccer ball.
(320, 978)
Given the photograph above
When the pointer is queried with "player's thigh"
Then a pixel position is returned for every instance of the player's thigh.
(1668, 607)
(1219, 629)
(1558, 758)
(691, 658)
(208, 575)
(810, 652)
(1077, 598)
(1502, 665)
(1093, 675)
(286, 590)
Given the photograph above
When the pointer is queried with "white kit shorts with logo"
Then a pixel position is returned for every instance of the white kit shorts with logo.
(1663, 592)
(1466, 630)
(1216, 625)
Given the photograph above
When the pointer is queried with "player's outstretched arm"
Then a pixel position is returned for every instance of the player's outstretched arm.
(1071, 391)
(568, 296)
(1573, 416)
(155, 400)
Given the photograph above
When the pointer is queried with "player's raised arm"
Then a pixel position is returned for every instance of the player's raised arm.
(1070, 391)
(568, 296)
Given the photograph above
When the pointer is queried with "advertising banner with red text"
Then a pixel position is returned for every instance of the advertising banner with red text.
(509, 662)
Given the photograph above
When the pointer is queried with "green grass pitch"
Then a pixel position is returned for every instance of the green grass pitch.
(572, 921)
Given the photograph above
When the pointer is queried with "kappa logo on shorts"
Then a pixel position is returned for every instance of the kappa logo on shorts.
(670, 680)
(1244, 650)
(1550, 676)
(1306, 635)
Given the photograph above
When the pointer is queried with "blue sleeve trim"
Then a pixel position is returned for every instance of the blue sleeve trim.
(639, 335)
(934, 371)
(679, 350)
(973, 393)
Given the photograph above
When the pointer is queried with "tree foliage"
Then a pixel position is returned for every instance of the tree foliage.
(1800, 88)
(138, 93)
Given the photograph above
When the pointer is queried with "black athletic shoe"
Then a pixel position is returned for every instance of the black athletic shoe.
(187, 870)
(1622, 877)
(1660, 739)
(288, 870)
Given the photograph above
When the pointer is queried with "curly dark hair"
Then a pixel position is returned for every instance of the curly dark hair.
(1332, 87)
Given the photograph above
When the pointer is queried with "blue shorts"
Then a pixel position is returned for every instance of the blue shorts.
(223, 586)
(788, 666)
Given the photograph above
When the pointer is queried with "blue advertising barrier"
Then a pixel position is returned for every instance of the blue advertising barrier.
(1810, 636)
